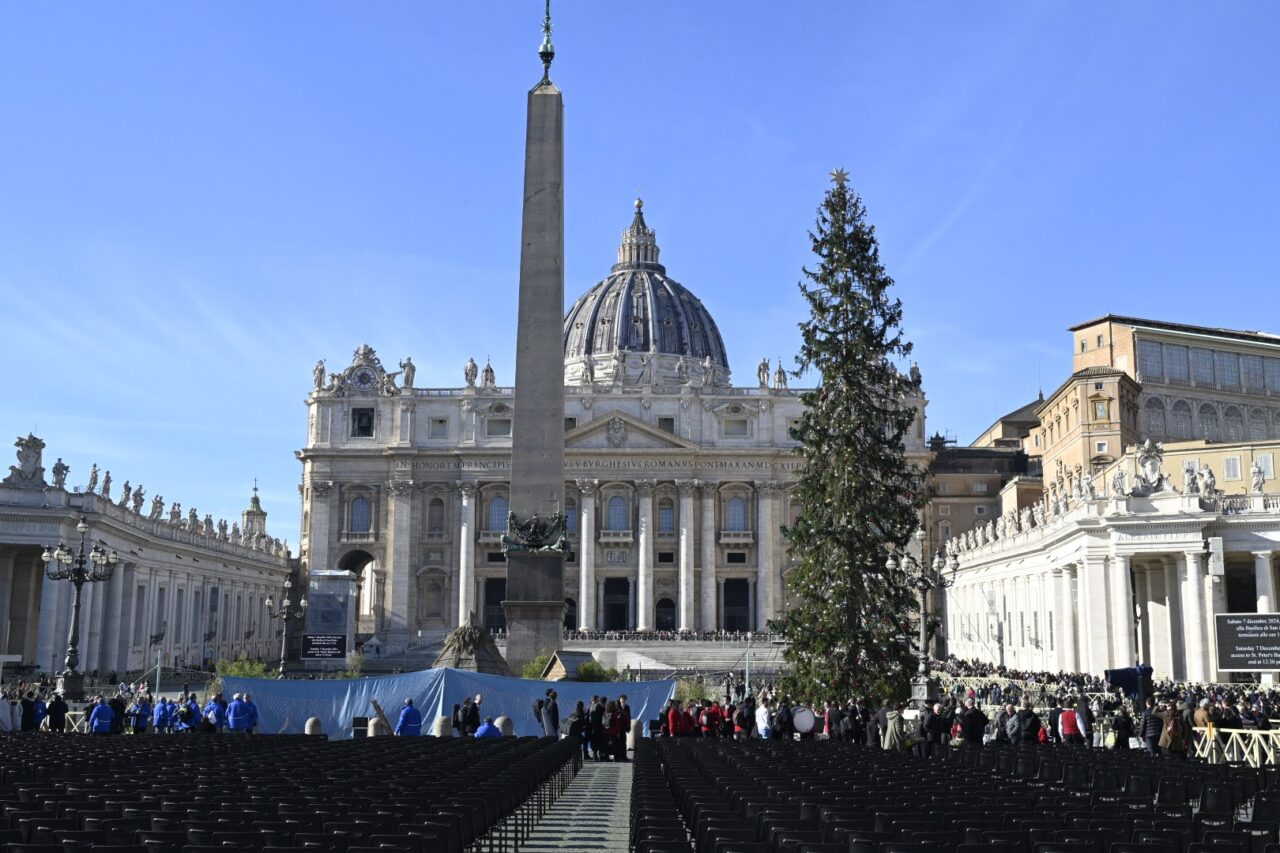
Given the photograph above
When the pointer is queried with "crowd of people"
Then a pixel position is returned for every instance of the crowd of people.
(140, 714)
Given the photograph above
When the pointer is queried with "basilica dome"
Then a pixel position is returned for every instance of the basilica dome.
(639, 326)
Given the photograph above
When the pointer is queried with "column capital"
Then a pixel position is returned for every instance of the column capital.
(708, 488)
(768, 487)
(687, 487)
(645, 487)
(1263, 555)
(1122, 558)
(321, 488)
(587, 488)
(401, 488)
(466, 487)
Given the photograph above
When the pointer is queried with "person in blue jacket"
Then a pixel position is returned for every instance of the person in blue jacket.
(139, 715)
(488, 729)
(42, 710)
(192, 721)
(253, 713)
(214, 714)
(101, 717)
(162, 716)
(410, 722)
(238, 715)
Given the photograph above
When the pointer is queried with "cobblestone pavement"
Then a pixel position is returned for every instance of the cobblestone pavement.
(594, 813)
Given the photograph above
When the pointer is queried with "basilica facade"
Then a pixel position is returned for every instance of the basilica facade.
(677, 481)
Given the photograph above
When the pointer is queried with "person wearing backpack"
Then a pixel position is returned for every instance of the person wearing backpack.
(782, 720)
(1028, 724)
(1174, 739)
(741, 723)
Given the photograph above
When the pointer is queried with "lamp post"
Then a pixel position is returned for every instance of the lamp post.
(209, 637)
(924, 690)
(79, 568)
(284, 614)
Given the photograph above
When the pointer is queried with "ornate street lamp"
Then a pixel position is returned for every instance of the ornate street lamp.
(79, 568)
(284, 614)
(924, 690)
(209, 637)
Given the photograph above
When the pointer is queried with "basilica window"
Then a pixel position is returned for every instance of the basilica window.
(362, 423)
(735, 515)
(667, 425)
(361, 516)
(497, 427)
(435, 516)
(735, 428)
(618, 515)
(1231, 468)
(1267, 464)
(1233, 424)
(498, 513)
(439, 428)
(666, 517)
(1180, 421)
(1153, 420)
(1257, 425)
(571, 516)
(1209, 423)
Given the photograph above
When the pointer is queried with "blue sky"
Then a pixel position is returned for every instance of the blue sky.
(199, 199)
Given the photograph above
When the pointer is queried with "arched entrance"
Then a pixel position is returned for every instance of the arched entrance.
(570, 615)
(664, 615)
(617, 601)
(363, 566)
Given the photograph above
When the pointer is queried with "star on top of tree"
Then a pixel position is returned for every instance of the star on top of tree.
(839, 176)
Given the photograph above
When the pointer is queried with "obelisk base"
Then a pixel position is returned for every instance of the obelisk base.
(533, 628)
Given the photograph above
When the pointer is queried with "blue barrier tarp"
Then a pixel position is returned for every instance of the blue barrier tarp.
(284, 706)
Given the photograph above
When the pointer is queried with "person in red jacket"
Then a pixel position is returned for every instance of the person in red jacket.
(679, 723)
(710, 718)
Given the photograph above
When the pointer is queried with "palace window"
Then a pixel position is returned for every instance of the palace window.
(944, 510)
(1101, 411)
(1257, 425)
(1272, 369)
(1175, 362)
(1084, 345)
(666, 558)
(1231, 468)
(1180, 421)
(1100, 447)
(1149, 361)
(735, 516)
(666, 517)
(361, 516)
(1233, 424)
(1228, 367)
(979, 510)
(1100, 339)
(1153, 419)
(362, 423)
(1252, 366)
(498, 508)
(1209, 423)
(979, 488)
(1202, 366)
(1267, 464)
(735, 557)
(618, 516)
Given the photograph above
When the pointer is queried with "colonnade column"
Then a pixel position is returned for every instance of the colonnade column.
(466, 554)
(765, 569)
(400, 524)
(1193, 613)
(1095, 617)
(1121, 611)
(711, 590)
(644, 587)
(686, 617)
(1266, 593)
(1172, 623)
(6, 596)
(587, 555)
(1067, 657)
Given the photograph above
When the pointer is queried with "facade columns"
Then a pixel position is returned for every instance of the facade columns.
(318, 535)
(6, 596)
(587, 555)
(712, 591)
(1093, 607)
(766, 581)
(644, 535)
(400, 545)
(1067, 651)
(685, 620)
(1169, 659)
(1122, 610)
(1193, 612)
(466, 554)
(1266, 593)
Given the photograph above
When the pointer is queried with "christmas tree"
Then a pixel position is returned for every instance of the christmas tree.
(849, 623)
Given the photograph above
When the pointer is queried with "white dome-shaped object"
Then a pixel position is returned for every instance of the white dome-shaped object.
(639, 326)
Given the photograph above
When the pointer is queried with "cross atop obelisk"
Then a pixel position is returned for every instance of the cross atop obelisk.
(535, 542)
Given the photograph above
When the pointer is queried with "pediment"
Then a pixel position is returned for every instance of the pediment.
(622, 432)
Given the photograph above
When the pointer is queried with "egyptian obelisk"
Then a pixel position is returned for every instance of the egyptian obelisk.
(535, 542)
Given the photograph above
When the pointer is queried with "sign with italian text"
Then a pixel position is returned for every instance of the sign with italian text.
(324, 646)
(1248, 642)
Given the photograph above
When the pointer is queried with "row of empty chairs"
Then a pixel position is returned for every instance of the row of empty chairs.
(836, 797)
(264, 794)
